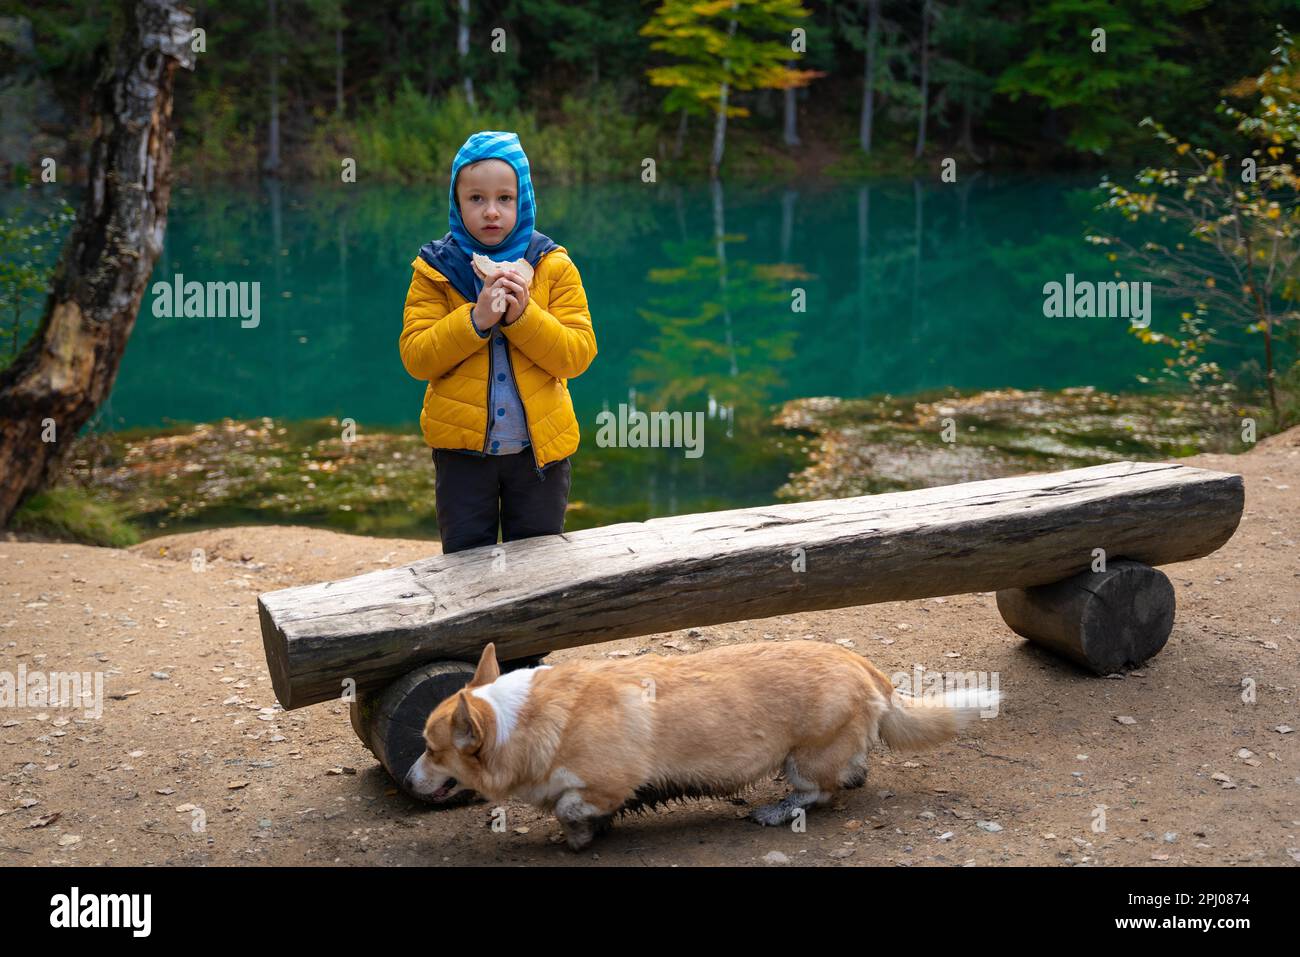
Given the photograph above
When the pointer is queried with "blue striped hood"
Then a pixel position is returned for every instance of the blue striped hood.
(453, 254)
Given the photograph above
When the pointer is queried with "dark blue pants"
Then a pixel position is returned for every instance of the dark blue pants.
(476, 493)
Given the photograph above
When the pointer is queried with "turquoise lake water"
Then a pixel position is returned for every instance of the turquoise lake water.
(905, 286)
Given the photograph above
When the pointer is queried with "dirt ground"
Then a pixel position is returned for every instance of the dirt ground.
(193, 761)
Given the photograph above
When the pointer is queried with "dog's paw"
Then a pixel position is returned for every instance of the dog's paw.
(579, 841)
(770, 815)
(578, 834)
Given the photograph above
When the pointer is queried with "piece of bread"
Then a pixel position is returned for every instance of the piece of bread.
(488, 269)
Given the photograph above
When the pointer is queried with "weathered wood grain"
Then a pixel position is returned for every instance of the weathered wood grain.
(618, 581)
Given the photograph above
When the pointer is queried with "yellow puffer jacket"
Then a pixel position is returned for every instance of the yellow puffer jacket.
(551, 342)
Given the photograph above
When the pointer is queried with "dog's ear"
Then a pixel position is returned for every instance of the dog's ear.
(488, 671)
(466, 726)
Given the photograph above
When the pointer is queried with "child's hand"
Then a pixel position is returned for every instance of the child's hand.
(516, 294)
(492, 303)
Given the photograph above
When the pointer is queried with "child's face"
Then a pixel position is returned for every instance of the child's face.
(488, 197)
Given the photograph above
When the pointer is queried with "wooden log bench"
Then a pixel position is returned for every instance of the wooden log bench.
(1070, 554)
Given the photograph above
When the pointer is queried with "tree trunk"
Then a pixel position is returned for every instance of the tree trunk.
(68, 368)
(338, 69)
(791, 114)
(681, 135)
(869, 79)
(719, 133)
(720, 125)
(272, 164)
(462, 48)
(925, 79)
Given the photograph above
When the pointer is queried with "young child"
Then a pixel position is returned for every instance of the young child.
(497, 355)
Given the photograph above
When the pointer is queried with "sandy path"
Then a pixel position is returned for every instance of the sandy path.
(195, 724)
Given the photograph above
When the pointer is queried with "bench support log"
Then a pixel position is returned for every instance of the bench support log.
(1105, 621)
(390, 722)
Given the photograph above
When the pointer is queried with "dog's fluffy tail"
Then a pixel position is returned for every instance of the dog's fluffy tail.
(915, 723)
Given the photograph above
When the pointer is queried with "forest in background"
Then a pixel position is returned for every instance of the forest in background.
(286, 87)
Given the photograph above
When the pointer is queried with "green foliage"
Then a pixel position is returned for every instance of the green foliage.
(742, 45)
(1236, 250)
(408, 138)
(970, 43)
(29, 245)
(592, 139)
(69, 513)
(1063, 69)
(595, 36)
(224, 143)
(1016, 77)
(412, 139)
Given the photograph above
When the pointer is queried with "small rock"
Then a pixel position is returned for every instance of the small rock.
(775, 857)
(1125, 719)
(991, 826)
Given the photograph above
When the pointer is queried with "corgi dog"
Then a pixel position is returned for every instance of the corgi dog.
(585, 740)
